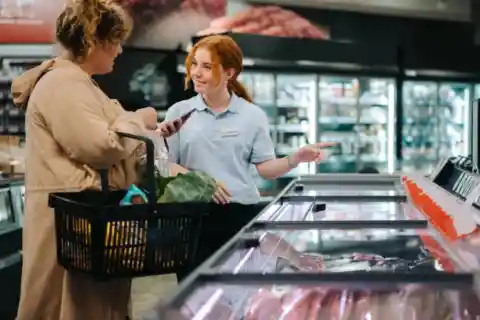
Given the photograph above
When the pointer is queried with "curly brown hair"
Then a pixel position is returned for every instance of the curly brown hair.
(85, 23)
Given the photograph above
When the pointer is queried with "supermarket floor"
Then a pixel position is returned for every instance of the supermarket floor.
(148, 291)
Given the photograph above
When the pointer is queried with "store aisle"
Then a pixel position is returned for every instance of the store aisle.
(148, 291)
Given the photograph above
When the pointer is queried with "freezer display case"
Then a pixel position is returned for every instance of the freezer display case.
(435, 123)
(7, 213)
(359, 114)
(294, 262)
(10, 249)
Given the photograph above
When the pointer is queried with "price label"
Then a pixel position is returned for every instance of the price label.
(464, 184)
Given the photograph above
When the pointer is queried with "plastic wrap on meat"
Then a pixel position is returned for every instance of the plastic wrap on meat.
(316, 305)
(272, 245)
(296, 304)
(263, 305)
(270, 20)
(212, 301)
(320, 304)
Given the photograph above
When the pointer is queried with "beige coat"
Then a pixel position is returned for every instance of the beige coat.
(70, 126)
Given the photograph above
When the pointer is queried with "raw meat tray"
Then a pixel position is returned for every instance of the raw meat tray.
(336, 250)
(358, 299)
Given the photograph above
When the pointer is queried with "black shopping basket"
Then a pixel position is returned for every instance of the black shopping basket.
(98, 236)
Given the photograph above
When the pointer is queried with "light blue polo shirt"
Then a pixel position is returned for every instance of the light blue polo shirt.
(224, 145)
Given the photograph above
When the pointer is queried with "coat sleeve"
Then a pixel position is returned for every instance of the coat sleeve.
(78, 123)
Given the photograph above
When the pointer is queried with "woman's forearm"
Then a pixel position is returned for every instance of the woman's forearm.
(275, 168)
(176, 169)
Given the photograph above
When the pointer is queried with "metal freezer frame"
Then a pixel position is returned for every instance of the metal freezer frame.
(205, 274)
(338, 180)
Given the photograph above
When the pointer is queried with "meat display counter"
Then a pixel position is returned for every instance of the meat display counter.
(415, 260)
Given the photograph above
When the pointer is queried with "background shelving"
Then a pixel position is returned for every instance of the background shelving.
(435, 122)
(358, 114)
(12, 119)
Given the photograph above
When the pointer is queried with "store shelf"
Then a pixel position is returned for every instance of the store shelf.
(358, 114)
(435, 123)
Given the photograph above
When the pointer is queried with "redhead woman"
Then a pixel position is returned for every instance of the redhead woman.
(71, 127)
(227, 132)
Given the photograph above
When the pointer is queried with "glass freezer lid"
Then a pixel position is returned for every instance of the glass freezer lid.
(338, 211)
(220, 301)
(335, 250)
(345, 189)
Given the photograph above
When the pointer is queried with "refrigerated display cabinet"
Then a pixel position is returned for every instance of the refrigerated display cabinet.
(294, 261)
(435, 123)
(10, 246)
(12, 119)
(296, 109)
(289, 102)
(359, 114)
(261, 86)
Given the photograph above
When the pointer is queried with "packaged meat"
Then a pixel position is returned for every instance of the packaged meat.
(328, 302)
(317, 304)
(263, 305)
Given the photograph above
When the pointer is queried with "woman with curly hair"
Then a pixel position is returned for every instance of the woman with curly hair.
(71, 131)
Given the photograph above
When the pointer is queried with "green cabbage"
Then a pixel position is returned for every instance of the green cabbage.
(190, 186)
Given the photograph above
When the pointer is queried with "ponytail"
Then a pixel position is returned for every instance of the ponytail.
(239, 89)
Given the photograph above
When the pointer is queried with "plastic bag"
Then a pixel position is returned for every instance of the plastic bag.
(161, 153)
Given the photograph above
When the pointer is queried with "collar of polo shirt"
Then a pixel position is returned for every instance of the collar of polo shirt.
(232, 105)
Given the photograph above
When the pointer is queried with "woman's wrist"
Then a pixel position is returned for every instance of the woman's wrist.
(292, 161)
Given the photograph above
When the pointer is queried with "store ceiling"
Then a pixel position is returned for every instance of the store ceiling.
(456, 10)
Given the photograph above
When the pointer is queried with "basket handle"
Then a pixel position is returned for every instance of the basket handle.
(150, 167)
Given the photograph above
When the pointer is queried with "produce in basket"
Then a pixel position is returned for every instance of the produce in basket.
(190, 186)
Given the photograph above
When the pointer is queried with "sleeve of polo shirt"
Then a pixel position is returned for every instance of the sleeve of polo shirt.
(173, 141)
(262, 149)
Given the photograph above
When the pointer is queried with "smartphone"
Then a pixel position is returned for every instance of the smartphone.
(187, 115)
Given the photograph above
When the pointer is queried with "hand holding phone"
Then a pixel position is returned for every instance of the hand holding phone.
(169, 128)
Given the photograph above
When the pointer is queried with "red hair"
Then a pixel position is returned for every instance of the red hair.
(226, 53)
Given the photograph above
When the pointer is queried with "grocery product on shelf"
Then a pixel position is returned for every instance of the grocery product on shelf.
(435, 123)
(12, 119)
(358, 114)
